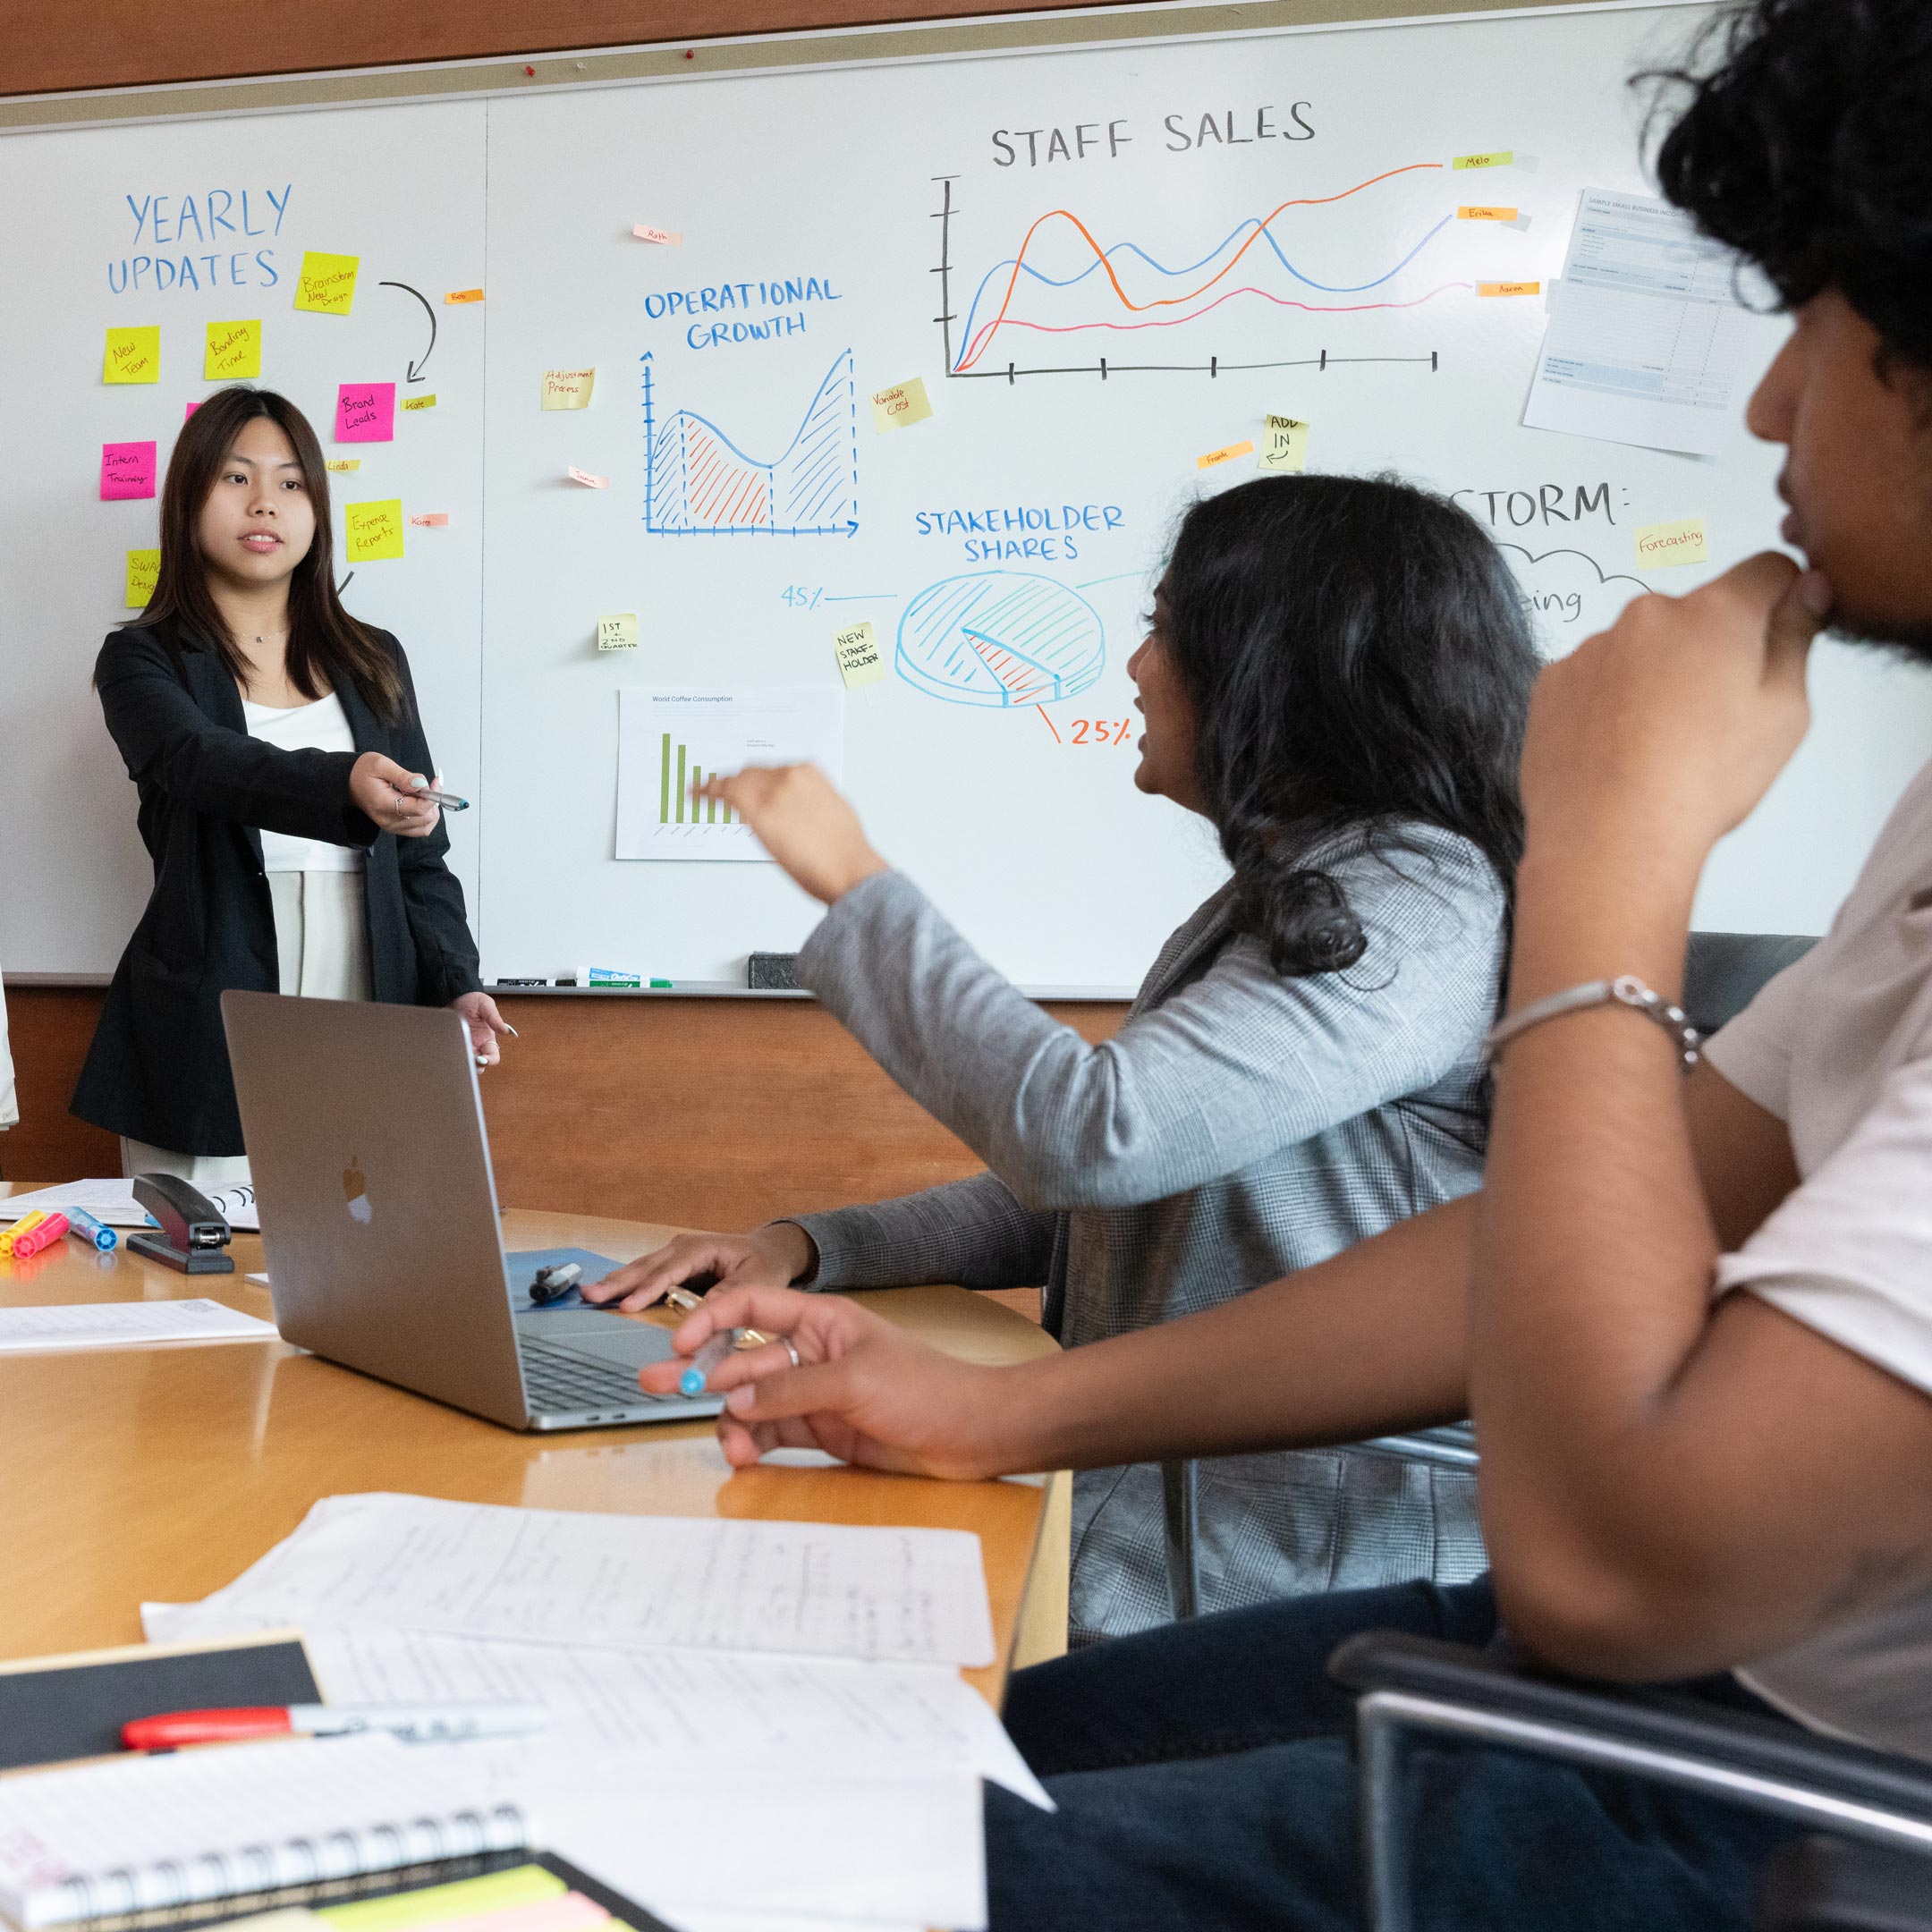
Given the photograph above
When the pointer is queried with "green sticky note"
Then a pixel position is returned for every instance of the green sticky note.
(1496, 158)
(521, 1884)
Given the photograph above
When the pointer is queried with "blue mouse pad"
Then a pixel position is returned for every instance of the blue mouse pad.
(524, 1263)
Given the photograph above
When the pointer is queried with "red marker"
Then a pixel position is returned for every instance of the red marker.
(420, 1724)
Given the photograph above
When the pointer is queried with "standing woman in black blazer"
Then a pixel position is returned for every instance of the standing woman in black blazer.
(276, 747)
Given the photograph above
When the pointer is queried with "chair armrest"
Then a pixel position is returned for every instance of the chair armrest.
(1824, 1884)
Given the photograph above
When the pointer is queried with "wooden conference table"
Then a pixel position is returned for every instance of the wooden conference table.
(159, 1473)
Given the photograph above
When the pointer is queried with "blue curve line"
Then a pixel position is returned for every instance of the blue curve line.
(1132, 247)
(760, 462)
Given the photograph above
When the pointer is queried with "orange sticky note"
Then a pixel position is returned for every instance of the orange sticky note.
(644, 232)
(1486, 214)
(1215, 457)
(464, 295)
(133, 355)
(1509, 288)
(587, 480)
(431, 520)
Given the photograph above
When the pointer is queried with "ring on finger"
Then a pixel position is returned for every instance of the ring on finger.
(787, 1344)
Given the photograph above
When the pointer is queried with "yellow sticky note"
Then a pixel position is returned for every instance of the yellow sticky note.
(326, 283)
(133, 355)
(617, 631)
(1509, 288)
(900, 406)
(1496, 157)
(464, 295)
(1285, 446)
(858, 659)
(418, 403)
(143, 571)
(341, 462)
(374, 530)
(233, 351)
(1214, 457)
(1661, 545)
(568, 388)
(1486, 214)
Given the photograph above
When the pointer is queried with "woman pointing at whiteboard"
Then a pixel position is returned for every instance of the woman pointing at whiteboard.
(1337, 676)
(275, 746)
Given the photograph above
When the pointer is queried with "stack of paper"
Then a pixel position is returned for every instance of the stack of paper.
(761, 1718)
(113, 1202)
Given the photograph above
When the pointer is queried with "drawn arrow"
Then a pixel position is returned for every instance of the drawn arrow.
(416, 369)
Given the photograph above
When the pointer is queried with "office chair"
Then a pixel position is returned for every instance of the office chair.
(1722, 973)
(1873, 1874)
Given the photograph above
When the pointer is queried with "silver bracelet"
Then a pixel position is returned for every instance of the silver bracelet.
(1624, 991)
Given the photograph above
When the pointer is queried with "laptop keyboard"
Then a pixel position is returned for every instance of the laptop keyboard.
(559, 1382)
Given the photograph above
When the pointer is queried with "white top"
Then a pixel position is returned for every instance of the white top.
(9, 1108)
(1840, 1047)
(320, 726)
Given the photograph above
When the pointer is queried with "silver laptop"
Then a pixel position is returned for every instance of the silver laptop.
(372, 1172)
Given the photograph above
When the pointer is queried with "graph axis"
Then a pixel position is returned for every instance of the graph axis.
(1102, 366)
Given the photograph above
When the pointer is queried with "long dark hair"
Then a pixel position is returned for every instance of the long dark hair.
(1357, 659)
(326, 644)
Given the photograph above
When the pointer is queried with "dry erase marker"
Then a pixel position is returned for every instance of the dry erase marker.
(693, 1381)
(448, 801)
(45, 1233)
(25, 1224)
(83, 1224)
(418, 1724)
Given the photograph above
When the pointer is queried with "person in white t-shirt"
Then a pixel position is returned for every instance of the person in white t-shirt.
(1692, 1317)
(9, 1105)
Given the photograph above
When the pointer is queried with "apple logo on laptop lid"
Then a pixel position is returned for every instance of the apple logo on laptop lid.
(355, 1192)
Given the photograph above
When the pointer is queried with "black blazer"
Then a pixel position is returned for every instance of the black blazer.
(158, 1068)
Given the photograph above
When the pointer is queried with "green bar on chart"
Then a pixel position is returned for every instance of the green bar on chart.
(680, 819)
(664, 784)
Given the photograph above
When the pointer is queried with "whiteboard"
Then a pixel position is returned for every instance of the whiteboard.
(865, 222)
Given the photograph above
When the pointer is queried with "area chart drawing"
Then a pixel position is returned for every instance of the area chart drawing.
(999, 639)
(699, 482)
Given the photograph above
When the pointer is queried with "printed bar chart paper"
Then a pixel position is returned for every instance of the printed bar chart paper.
(670, 740)
(1648, 338)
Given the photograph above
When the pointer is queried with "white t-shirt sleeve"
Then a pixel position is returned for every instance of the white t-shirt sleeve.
(1849, 1252)
(1753, 1051)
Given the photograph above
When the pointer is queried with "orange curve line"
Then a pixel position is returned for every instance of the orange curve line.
(1169, 302)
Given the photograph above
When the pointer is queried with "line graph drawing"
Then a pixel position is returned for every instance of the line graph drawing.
(697, 482)
(999, 638)
(1127, 283)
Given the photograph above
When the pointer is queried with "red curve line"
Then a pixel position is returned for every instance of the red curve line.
(1169, 302)
(1280, 301)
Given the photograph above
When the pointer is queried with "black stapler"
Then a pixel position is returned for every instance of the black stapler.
(192, 1232)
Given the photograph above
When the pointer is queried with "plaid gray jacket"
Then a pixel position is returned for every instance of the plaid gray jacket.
(1240, 1126)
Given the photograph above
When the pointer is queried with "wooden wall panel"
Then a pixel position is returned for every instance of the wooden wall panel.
(711, 1113)
(50, 46)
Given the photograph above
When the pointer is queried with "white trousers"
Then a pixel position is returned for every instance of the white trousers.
(321, 928)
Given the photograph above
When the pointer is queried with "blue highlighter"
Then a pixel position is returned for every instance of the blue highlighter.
(693, 1381)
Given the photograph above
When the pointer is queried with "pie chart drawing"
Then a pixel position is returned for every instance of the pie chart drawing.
(999, 639)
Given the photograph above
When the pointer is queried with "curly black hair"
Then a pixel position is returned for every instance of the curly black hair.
(1804, 145)
(1357, 659)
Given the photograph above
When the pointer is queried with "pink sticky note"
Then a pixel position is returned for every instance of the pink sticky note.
(365, 412)
(587, 480)
(664, 237)
(126, 469)
(431, 519)
(190, 411)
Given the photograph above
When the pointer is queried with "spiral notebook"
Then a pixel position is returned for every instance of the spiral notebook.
(157, 1833)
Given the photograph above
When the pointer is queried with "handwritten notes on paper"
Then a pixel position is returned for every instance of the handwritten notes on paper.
(1499, 157)
(586, 479)
(463, 295)
(618, 631)
(232, 352)
(858, 659)
(568, 388)
(1285, 446)
(373, 531)
(327, 284)
(1214, 458)
(143, 572)
(127, 470)
(414, 403)
(365, 412)
(665, 237)
(133, 355)
(901, 406)
(1659, 546)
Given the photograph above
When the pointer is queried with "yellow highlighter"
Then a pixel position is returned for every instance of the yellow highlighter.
(20, 1227)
